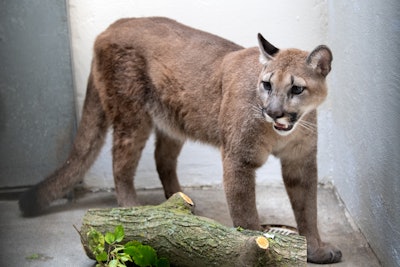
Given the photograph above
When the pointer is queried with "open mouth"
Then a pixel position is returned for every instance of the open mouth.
(283, 127)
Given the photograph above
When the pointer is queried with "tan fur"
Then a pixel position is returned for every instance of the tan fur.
(154, 73)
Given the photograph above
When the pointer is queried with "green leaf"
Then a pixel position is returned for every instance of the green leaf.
(239, 229)
(110, 238)
(99, 249)
(95, 241)
(131, 251)
(162, 262)
(124, 257)
(113, 263)
(102, 257)
(132, 243)
(130, 248)
(145, 256)
(34, 256)
(119, 233)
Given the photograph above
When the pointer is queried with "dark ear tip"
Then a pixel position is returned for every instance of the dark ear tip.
(266, 46)
(260, 38)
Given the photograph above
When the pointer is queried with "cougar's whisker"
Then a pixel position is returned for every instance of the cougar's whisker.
(257, 111)
(312, 127)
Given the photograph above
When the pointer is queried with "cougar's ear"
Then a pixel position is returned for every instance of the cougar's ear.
(320, 60)
(267, 50)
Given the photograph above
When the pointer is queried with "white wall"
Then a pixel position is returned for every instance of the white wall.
(362, 129)
(284, 24)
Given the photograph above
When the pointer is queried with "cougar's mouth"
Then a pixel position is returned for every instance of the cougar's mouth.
(282, 126)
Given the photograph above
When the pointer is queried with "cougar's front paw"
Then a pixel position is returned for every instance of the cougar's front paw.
(326, 253)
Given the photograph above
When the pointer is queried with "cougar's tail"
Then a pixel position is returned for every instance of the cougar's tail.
(88, 142)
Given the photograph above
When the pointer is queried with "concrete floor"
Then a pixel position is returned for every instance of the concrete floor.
(51, 240)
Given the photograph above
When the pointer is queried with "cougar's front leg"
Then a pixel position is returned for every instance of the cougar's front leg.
(300, 178)
(166, 154)
(239, 184)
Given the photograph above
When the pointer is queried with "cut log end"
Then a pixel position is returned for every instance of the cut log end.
(262, 242)
(187, 199)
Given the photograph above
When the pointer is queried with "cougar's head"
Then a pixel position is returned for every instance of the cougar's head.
(291, 84)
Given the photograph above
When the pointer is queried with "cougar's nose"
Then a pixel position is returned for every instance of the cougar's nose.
(274, 113)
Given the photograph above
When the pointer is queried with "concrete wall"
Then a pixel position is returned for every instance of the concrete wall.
(362, 128)
(37, 104)
(282, 23)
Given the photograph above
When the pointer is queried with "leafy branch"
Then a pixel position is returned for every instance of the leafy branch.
(109, 251)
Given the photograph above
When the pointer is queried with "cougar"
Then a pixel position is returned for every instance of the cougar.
(156, 74)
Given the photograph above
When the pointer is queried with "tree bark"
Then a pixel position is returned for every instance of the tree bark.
(189, 240)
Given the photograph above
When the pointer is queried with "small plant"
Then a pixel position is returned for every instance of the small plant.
(109, 251)
(239, 229)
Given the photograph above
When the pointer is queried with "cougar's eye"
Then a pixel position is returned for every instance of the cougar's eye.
(296, 90)
(266, 86)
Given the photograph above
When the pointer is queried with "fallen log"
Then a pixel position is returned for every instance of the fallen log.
(189, 240)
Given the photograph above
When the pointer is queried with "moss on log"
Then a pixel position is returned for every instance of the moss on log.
(189, 240)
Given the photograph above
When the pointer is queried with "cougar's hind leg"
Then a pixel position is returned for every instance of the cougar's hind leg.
(129, 138)
(125, 91)
(166, 154)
